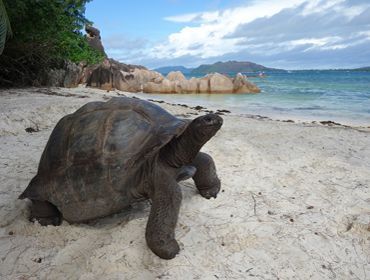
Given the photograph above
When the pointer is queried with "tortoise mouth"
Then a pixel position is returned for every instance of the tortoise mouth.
(206, 126)
(211, 120)
(213, 126)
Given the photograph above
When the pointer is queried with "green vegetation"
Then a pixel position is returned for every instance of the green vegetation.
(5, 28)
(45, 34)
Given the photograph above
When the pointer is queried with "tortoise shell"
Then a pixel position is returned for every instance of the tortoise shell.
(97, 154)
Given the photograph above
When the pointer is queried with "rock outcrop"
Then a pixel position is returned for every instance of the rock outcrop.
(102, 76)
(176, 76)
(175, 82)
(192, 85)
(242, 85)
(165, 86)
(111, 74)
(68, 75)
(94, 39)
(220, 84)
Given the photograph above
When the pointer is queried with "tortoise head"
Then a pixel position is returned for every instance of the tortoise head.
(205, 127)
(183, 149)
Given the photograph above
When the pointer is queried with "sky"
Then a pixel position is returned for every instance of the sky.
(288, 34)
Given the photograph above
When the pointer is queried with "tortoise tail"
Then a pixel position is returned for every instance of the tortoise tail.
(31, 191)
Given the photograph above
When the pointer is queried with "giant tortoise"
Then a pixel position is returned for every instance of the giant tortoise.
(107, 155)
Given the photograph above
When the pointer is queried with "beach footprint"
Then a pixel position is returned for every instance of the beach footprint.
(356, 224)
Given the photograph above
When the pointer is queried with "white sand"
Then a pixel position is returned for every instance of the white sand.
(295, 205)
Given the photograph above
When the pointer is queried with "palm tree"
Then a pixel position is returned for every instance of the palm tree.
(5, 29)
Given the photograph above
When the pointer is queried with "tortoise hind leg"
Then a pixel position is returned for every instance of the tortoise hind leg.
(160, 230)
(45, 213)
(205, 178)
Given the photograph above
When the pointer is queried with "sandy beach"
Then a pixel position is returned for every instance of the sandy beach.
(295, 203)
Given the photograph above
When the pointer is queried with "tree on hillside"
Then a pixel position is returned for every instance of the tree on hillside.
(5, 29)
(45, 35)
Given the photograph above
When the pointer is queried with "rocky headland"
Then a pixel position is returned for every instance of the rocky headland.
(114, 75)
(111, 74)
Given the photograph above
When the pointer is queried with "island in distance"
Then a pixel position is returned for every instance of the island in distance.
(219, 67)
(232, 67)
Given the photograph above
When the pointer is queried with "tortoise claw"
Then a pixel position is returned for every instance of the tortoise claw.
(209, 192)
(165, 249)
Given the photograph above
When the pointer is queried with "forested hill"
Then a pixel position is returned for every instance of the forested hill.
(230, 67)
(45, 35)
(362, 69)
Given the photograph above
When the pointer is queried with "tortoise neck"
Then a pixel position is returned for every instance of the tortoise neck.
(182, 150)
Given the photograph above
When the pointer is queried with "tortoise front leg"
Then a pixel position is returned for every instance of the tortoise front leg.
(45, 213)
(160, 230)
(205, 178)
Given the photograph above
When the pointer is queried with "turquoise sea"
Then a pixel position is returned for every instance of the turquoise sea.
(312, 95)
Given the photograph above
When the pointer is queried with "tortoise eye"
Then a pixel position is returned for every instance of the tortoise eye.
(208, 119)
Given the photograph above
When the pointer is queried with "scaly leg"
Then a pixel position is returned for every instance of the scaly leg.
(160, 230)
(45, 213)
(205, 178)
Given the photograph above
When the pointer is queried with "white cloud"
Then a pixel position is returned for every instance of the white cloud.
(213, 27)
(318, 6)
(314, 41)
(351, 12)
(182, 18)
(338, 6)
(286, 30)
(364, 34)
(194, 17)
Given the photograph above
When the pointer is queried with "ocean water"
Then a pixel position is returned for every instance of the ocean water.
(312, 95)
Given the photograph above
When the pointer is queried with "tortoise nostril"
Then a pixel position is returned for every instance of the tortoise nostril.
(210, 120)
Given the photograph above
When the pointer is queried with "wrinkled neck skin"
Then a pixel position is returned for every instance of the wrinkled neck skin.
(182, 150)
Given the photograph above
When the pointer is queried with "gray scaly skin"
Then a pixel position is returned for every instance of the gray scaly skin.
(81, 177)
(166, 196)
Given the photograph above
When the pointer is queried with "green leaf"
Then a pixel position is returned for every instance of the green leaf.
(5, 29)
